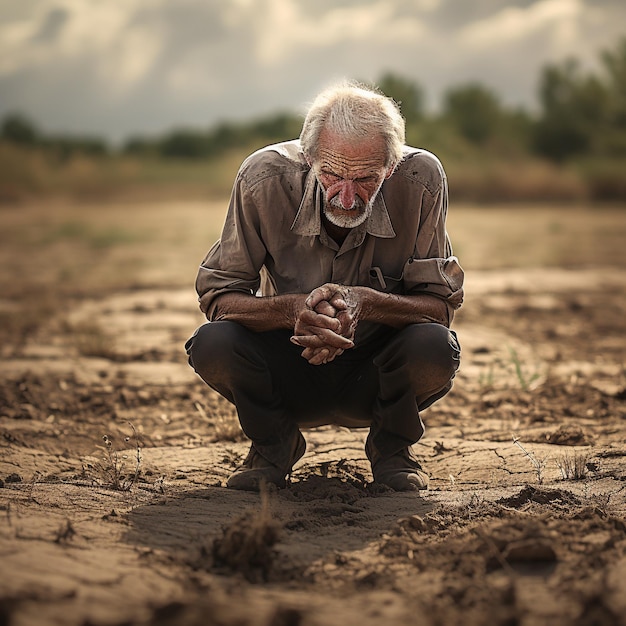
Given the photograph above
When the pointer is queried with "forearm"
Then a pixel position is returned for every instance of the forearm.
(259, 314)
(398, 311)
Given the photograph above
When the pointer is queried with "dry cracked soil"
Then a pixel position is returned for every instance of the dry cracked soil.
(113, 509)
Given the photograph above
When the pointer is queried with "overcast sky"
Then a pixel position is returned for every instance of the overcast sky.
(121, 67)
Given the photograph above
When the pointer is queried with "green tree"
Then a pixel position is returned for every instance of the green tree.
(407, 94)
(279, 127)
(474, 111)
(185, 144)
(614, 64)
(574, 111)
(139, 146)
(64, 147)
(16, 128)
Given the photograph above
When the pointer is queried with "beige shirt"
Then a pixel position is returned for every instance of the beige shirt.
(274, 241)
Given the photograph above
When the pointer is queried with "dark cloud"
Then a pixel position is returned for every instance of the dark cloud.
(452, 14)
(14, 10)
(149, 66)
(183, 24)
(51, 27)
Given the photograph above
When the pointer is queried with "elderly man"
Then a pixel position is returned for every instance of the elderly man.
(331, 291)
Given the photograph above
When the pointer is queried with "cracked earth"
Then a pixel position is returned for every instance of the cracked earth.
(524, 522)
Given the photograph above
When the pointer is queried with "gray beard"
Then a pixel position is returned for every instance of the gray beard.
(346, 221)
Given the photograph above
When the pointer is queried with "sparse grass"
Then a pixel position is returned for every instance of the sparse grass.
(28, 173)
(226, 426)
(524, 378)
(509, 373)
(486, 377)
(538, 464)
(93, 237)
(513, 180)
(573, 466)
(524, 236)
(112, 470)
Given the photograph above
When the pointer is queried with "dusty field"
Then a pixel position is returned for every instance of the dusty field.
(114, 456)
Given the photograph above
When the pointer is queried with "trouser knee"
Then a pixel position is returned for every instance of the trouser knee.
(434, 347)
(211, 349)
(427, 353)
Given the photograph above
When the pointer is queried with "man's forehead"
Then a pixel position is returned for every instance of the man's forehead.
(349, 154)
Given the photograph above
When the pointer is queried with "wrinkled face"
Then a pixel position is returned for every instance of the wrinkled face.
(351, 175)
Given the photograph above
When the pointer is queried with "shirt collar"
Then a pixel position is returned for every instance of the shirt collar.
(308, 220)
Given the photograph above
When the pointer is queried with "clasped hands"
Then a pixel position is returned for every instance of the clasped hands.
(326, 326)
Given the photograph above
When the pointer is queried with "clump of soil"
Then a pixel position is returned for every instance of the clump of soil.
(540, 495)
(246, 544)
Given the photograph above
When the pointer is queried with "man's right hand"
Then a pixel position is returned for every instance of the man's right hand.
(324, 331)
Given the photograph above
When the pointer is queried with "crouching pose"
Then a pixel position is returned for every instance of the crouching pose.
(331, 291)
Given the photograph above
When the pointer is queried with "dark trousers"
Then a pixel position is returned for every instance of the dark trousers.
(383, 382)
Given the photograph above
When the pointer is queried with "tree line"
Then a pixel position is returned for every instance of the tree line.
(581, 114)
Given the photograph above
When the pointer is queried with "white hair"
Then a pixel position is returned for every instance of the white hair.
(353, 110)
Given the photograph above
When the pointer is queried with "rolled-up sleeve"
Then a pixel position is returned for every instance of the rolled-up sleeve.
(235, 261)
(433, 269)
(440, 277)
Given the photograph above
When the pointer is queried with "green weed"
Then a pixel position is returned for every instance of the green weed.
(525, 380)
(486, 378)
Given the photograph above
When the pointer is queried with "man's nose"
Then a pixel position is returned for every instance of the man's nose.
(347, 194)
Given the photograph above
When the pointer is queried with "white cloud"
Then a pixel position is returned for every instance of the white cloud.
(283, 28)
(98, 33)
(514, 24)
(134, 55)
(14, 37)
(125, 66)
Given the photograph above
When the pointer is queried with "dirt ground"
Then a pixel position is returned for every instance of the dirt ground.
(113, 455)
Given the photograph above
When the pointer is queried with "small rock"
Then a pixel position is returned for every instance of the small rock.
(530, 550)
(569, 435)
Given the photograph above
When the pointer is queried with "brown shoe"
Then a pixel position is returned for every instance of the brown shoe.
(400, 471)
(257, 470)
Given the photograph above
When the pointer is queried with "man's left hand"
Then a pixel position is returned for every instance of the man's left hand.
(335, 301)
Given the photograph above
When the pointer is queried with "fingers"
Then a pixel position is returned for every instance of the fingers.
(338, 301)
(320, 356)
(316, 356)
(348, 324)
(318, 295)
(326, 327)
(327, 339)
(311, 319)
(325, 308)
(330, 293)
